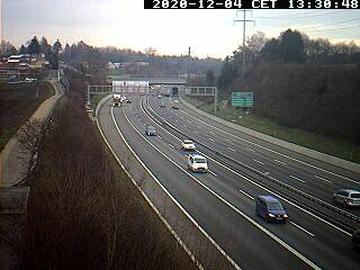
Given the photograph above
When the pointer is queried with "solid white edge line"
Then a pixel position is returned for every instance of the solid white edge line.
(175, 235)
(302, 229)
(273, 151)
(246, 194)
(261, 187)
(249, 219)
(297, 179)
(212, 241)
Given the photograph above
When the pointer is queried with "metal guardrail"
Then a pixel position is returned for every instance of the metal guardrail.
(268, 177)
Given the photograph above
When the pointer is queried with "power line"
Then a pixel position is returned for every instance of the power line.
(300, 17)
(334, 29)
(244, 21)
(332, 24)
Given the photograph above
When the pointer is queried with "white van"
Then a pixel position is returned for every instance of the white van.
(197, 163)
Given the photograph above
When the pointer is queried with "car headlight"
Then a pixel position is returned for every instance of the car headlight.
(271, 215)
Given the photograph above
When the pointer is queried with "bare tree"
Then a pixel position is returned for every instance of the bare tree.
(29, 137)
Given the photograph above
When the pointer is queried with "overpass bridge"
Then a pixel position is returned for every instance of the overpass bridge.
(152, 81)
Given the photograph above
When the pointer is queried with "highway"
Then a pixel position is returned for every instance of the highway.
(318, 234)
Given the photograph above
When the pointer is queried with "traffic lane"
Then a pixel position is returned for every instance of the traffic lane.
(316, 185)
(289, 153)
(242, 241)
(296, 231)
(313, 238)
(287, 175)
(263, 144)
(182, 224)
(343, 183)
(268, 181)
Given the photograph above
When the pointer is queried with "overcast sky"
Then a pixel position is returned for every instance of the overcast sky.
(125, 24)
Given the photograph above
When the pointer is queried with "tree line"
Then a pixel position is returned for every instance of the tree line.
(299, 82)
(34, 47)
(291, 47)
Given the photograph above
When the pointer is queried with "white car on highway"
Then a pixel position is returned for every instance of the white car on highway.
(188, 145)
(197, 163)
(175, 104)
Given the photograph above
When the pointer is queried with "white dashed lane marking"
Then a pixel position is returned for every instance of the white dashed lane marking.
(323, 179)
(211, 172)
(258, 161)
(301, 228)
(246, 194)
(296, 178)
(279, 161)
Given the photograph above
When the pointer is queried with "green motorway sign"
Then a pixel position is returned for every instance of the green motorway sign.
(242, 99)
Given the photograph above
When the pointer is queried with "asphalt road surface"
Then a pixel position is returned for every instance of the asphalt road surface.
(240, 168)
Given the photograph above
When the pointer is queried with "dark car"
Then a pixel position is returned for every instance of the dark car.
(356, 238)
(12, 78)
(150, 131)
(270, 209)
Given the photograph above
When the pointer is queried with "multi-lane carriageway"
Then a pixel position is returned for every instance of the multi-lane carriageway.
(318, 234)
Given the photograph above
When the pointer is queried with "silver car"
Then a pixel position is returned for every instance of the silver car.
(347, 197)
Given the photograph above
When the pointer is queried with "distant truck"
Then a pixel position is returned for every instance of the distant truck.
(164, 91)
(167, 92)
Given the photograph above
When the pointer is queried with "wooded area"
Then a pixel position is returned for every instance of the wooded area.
(300, 83)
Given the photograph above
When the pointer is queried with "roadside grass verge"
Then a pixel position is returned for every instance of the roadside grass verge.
(95, 99)
(325, 144)
(17, 103)
(83, 212)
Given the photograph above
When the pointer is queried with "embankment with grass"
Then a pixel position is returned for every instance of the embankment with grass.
(344, 149)
(17, 103)
(83, 211)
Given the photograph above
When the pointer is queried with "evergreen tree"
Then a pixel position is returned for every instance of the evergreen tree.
(271, 51)
(34, 46)
(67, 53)
(292, 49)
(45, 47)
(209, 77)
(22, 49)
(57, 47)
